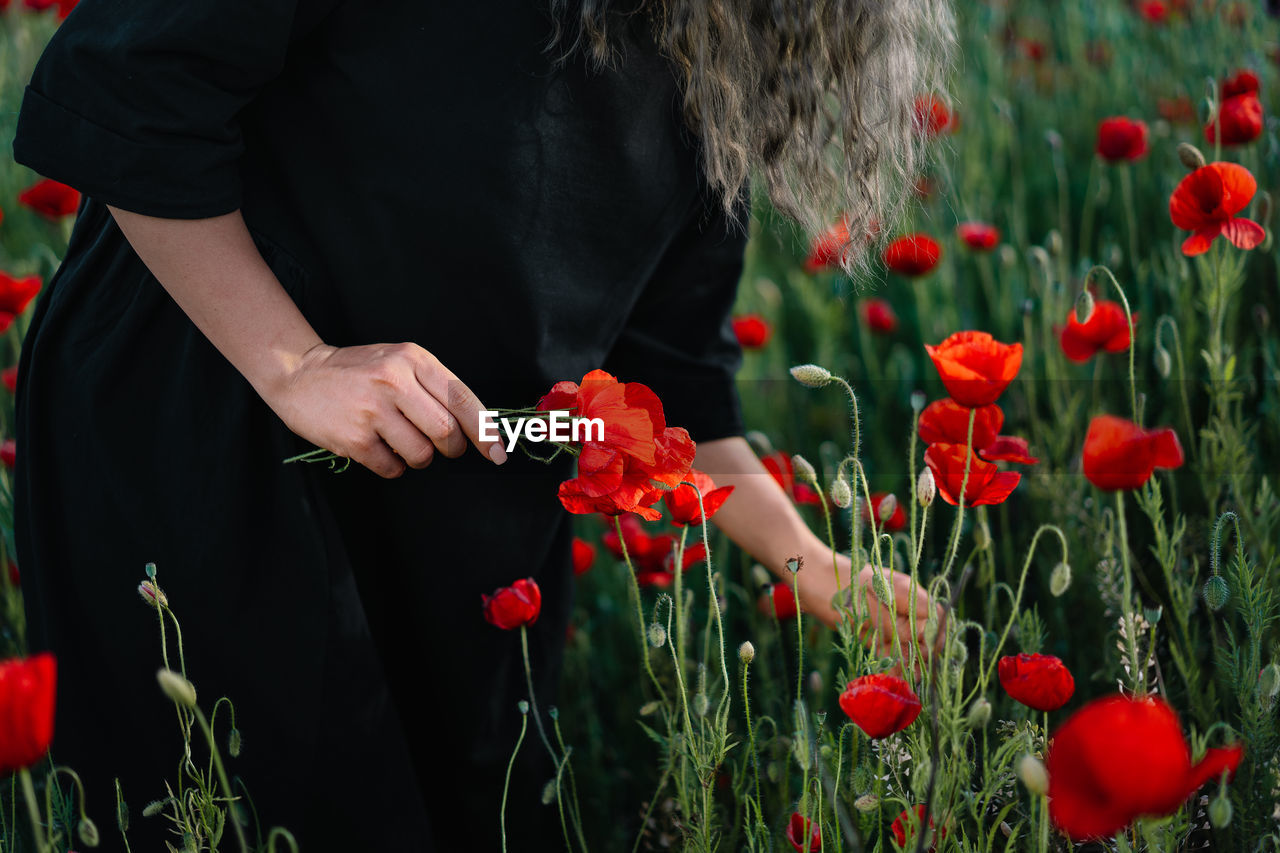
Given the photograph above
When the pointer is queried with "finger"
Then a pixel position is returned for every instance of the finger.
(378, 457)
(426, 417)
(905, 593)
(408, 440)
(452, 393)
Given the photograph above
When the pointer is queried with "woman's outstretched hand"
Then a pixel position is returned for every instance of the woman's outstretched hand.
(387, 406)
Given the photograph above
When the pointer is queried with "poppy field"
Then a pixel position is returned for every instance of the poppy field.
(1051, 401)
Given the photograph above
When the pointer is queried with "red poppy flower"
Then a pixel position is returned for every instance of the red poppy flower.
(646, 552)
(510, 607)
(778, 464)
(1207, 201)
(1009, 448)
(1121, 138)
(1119, 758)
(8, 452)
(15, 577)
(1033, 49)
(779, 601)
(584, 554)
(975, 367)
(912, 255)
(987, 484)
(828, 248)
(1119, 454)
(1098, 52)
(752, 331)
(1042, 682)
(1153, 11)
(27, 690)
(1106, 329)
(803, 834)
(880, 704)
(683, 500)
(897, 519)
(902, 823)
(10, 378)
(50, 199)
(17, 293)
(932, 118)
(693, 554)
(1241, 120)
(978, 236)
(1177, 110)
(879, 317)
(1243, 82)
(947, 422)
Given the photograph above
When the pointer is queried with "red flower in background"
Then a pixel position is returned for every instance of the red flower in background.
(880, 704)
(912, 255)
(683, 500)
(584, 554)
(10, 378)
(27, 691)
(17, 293)
(978, 236)
(1106, 329)
(780, 601)
(803, 834)
(1119, 454)
(646, 552)
(1033, 49)
(639, 458)
(828, 248)
(511, 607)
(779, 466)
(975, 367)
(1042, 682)
(932, 118)
(1177, 110)
(1009, 448)
(1120, 758)
(8, 452)
(50, 199)
(897, 519)
(1121, 138)
(947, 422)
(1153, 11)
(903, 822)
(1240, 119)
(879, 317)
(752, 331)
(987, 484)
(693, 554)
(1207, 201)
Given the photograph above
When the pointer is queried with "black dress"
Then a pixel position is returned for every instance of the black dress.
(411, 171)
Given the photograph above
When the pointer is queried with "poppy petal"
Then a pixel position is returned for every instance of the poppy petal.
(1210, 767)
(1199, 242)
(1244, 233)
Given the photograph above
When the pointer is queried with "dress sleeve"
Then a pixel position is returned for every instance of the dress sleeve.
(136, 102)
(679, 339)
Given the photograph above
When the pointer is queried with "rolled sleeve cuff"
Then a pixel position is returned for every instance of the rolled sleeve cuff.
(195, 181)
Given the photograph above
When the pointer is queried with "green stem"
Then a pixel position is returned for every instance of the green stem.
(964, 484)
(29, 794)
(506, 785)
(533, 703)
(222, 780)
(1126, 604)
(1128, 313)
(634, 586)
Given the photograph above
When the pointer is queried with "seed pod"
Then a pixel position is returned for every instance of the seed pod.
(811, 375)
(1190, 156)
(523, 705)
(1032, 773)
(1216, 592)
(918, 400)
(1060, 579)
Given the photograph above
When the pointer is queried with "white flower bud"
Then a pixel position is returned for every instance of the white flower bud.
(926, 487)
(888, 506)
(1032, 773)
(176, 687)
(841, 494)
(1084, 306)
(746, 652)
(657, 635)
(811, 375)
(1060, 579)
(804, 470)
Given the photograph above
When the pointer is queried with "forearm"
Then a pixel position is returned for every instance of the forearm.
(758, 516)
(217, 276)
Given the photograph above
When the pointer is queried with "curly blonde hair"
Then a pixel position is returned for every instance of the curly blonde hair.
(814, 99)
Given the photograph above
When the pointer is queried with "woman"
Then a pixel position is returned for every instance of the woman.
(340, 224)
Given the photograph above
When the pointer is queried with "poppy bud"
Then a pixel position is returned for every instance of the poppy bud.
(1008, 256)
(881, 589)
(1269, 682)
(650, 708)
(982, 537)
(759, 442)
(122, 810)
(761, 575)
(1084, 306)
(811, 375)
(152, 594)
(153, 808)
(1060, 579)
(815, 685)
(1220, 811)
(1055, 242)
(804, 470)
(700, 705)
(549, 792)
(657, 635)
(888, 506)
(176, 687)
(867, 803)
(926, 487)
(88, 832)
(1190, 156)
(1032, 773)
(234, 743)
(1216, 592)
(841, 494)
(979, 713)
(746, 652)
(1164, 361)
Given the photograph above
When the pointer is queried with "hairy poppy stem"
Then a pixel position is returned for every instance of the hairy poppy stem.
(533, 703)
(29, 794)
(1166, 320)
(1128, 315)
(506, 786)
(751, 741)
(964, 485)
(1126, 606)
(222, 779)
(635, 595)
